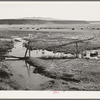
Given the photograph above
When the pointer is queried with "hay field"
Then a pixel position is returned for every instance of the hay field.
(56, 35)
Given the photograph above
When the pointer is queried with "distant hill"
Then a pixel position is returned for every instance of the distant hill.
(94, 22)
(40, 21)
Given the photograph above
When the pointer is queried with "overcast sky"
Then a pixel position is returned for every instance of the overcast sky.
(59, 10)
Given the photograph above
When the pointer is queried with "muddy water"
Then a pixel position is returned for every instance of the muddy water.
(22, 72)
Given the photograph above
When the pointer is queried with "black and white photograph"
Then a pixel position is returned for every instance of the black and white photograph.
(50, 46)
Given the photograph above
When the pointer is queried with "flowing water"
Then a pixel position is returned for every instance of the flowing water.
(23, 72)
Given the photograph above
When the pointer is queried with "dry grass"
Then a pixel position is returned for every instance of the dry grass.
(74, 74)
(87, 72)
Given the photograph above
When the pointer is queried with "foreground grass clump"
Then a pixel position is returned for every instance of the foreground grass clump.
(6, 82)
(77, 74)
(5, 46)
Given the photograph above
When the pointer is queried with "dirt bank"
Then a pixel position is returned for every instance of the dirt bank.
(5, 46)
(76, 74)
(6, 82)
(50, 69)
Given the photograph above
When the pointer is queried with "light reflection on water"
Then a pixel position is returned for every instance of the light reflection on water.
(25, 77)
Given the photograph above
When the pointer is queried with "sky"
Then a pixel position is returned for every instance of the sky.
(58, 10)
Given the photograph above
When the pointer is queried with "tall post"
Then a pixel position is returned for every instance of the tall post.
(29, 52)
(76, 50)
(26, 52)
(26, 49)
(29, 49)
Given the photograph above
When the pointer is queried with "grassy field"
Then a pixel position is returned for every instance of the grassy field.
(57, 34)
(72, 75)
(5, 46)
(6, 82)
(86, 71)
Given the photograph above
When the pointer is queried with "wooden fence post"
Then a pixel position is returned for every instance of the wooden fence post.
(29, 52)
(29, 48)
(26, 50)
(76, 50)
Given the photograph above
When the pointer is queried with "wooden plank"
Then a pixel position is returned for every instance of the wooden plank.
(20, 58)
